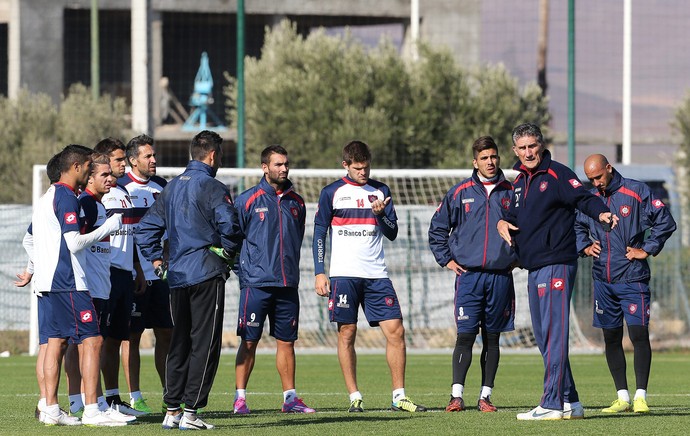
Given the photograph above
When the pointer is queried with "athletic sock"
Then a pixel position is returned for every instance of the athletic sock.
(240, 393)
(136, 395)
(485, 392)
(41, 405)
(457, 390)
(102, 404)
(91, 410)
(75, 403)
(398, 394)
(190, 414)
(53, 410)
(289, 396)
(112, 392)
(641, 393)
(356, 395)
(624, 395)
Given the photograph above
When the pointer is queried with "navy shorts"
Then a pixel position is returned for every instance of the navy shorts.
(44, 317)
(119, 306)
(614, 302)
(376, 296)
(484, 298)
(73, 316)
(152, 308)
(281, 305)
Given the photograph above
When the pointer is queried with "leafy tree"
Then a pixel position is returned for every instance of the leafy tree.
(315, 93)
(681, 124)
(33, 128)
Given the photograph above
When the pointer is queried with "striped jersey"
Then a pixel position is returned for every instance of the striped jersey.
(142, 193)
(356, 234)
(121, 240)
(97, 266)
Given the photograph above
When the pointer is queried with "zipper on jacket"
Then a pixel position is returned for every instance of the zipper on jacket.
(280, 233)
(486, 223)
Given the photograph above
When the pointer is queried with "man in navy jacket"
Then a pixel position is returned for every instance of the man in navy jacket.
(540, 225)
(198, 214)
(272, 219)
(463, 239)
(621, 272)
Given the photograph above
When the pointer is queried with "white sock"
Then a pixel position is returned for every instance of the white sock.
(91, 410)
(136, 395)
(75, 403)
(112, 392)
(240, 393)
(485, 392)
(289, 395)
(457, 390)
(52, 410)
(624, 395)
(398, 394)
(102, 404)
(641, 393)
(356, 395)
(42, 405)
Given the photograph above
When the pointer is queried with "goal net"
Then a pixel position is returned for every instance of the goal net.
(425, 290)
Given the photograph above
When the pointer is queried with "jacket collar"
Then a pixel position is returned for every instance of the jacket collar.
(499, 179)
(200, 166)
(267, 187)
(616, 183)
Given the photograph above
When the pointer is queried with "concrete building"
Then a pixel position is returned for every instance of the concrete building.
(142, 41)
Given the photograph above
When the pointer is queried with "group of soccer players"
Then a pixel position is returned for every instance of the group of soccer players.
(98, 293)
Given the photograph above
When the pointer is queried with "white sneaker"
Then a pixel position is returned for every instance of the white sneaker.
(573, 411)
(101, 419)
(197, 424)
(539, 413)
(61, 419)
(119, 416)
(171, 422)
(125, 408)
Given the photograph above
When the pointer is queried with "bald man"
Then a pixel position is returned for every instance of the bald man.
(621, 272)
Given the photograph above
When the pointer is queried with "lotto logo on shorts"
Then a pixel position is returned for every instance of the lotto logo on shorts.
(389, 302)
(70, 218)
(632, 309)
(557, 284)
(86, 316)
(330, 304)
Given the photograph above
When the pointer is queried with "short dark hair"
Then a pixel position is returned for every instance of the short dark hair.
(268, 151)
(99, 159)
(73, 153)
(483, 143)
(53, 168)
(203, 143)
(528, 129)
(109, 145)
(356, 151)
(133, 145)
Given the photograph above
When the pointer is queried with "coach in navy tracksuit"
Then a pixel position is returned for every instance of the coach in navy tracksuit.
(272, 219)
(197, 212)
(462, 239)
(621, 272)
(541, 219)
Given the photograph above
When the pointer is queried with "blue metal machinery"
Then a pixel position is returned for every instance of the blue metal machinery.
(201, 99)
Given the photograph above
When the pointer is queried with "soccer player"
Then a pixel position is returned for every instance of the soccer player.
(542, 215)
(484, 291)
(59, 261)
(122, 286)
(359, 211)
(196, 274)
(151, 308)
(272, 219)
(621, 272)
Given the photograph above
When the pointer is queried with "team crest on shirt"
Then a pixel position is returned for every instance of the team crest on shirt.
(625, 210)
(632, 308)
(70, 218)
(86, 316)
(543, 185)
(389, 301)
(294, 212)
(557, 284)
(505, 202)
(372, 198)
(657, 203)
(575, 183)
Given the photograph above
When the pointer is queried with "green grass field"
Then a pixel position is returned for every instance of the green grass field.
(319, 382)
